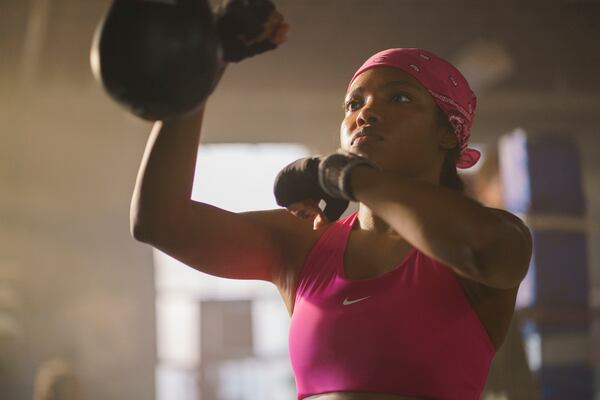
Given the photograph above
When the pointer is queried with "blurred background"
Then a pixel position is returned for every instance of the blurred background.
(86, 312)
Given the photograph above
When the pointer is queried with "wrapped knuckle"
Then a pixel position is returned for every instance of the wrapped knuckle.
(297, 183)
(240, 24)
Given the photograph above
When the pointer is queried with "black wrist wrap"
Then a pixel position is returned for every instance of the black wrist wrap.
(335, 171)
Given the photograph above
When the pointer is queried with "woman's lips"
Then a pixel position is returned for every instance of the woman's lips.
(365, 139)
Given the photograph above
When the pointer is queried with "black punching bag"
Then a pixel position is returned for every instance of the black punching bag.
(158, 58)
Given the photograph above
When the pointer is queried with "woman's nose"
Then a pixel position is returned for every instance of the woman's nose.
(367, 116)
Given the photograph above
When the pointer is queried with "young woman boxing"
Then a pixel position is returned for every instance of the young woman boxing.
(407, 298)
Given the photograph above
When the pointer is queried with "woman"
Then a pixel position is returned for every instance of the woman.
(408, 298)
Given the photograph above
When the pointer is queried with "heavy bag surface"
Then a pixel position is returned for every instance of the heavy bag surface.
(158, 58)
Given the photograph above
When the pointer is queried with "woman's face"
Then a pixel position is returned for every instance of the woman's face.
(400, 120)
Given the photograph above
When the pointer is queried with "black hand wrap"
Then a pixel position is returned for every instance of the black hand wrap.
(299, 181)
(241, 20)
(335, 170)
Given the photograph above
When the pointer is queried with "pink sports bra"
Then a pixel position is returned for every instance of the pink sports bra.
(410, 331)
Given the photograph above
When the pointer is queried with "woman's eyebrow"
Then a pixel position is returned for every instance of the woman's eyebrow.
(361, 89)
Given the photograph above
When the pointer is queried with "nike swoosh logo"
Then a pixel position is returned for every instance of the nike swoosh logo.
(346, 301)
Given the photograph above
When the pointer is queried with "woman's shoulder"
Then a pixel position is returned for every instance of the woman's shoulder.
(295, 235)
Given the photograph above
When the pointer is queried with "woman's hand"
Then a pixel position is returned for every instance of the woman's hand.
(302, 184)
(309, 209)
(297, 188)
(275, 30)
(250, 27)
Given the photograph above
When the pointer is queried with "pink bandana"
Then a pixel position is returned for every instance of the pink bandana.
(444, 82)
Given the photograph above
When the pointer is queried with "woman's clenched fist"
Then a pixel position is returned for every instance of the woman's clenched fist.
(302, 184)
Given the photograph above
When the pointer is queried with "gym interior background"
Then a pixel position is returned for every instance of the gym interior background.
(88, 312)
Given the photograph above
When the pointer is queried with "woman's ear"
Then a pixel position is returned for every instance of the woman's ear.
(448, 140)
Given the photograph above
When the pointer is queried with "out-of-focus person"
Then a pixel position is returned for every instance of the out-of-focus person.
(56, 380)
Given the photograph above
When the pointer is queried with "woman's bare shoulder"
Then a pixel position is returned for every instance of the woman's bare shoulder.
(297, 237)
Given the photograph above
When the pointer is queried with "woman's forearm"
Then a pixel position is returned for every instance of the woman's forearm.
(441, 223)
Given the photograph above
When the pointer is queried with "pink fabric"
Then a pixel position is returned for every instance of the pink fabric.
(410, 331)
(445, 83)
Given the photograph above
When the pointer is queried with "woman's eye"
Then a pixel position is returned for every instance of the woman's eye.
(351, 105)
(401, 97)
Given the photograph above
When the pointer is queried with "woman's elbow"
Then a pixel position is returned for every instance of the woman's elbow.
(138, 231)
(140, 228)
